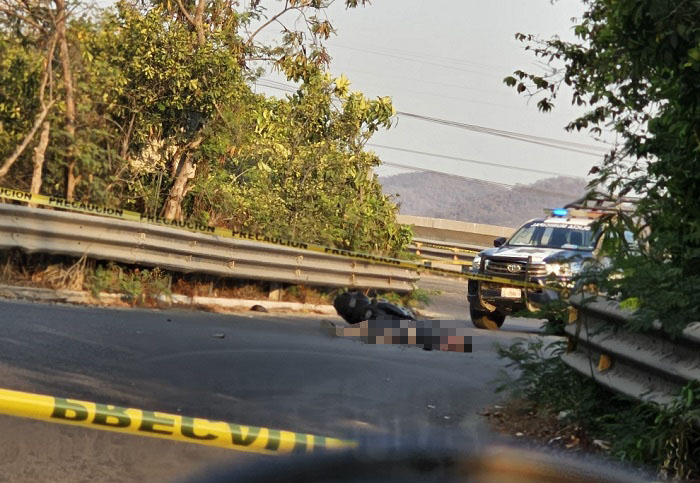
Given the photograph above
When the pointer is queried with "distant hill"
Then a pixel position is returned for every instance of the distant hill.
(438, 196)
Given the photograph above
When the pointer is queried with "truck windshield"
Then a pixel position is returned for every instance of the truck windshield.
(555, 235)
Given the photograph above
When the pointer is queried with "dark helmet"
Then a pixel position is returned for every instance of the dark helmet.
(354, 307)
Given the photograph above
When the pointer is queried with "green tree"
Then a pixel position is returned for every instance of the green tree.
(217, 29)
(148, 106)
(28, 39)
(301, 160)
(636, 66)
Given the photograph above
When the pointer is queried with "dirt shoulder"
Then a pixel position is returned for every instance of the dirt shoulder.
(519, 418)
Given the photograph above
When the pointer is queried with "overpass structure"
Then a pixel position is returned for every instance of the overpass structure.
(451, 244)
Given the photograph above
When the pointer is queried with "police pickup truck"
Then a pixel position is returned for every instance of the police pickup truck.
(542, 250)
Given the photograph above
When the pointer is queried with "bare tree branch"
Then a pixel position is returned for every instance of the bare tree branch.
(16, 14)
(286, 9)
(184, 11)
(127, 137)
(27, 139)
(47, 76)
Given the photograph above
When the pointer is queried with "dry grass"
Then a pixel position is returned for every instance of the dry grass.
(59, 276)
(139, 284)
(56, 273)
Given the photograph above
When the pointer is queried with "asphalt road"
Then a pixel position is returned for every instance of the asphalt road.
(273, 371)
(449, 297)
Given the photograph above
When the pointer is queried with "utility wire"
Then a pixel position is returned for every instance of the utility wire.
(473, 161)
(500, 131)
(275, 85)
(436, 64)
(572, 146)
(529, 138)
(418, 55)
(285, 87)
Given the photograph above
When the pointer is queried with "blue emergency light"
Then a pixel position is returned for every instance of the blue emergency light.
(560, 212)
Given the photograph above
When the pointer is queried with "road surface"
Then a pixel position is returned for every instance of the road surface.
(272, 371)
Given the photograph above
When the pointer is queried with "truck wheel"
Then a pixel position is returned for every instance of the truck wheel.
(486, 320)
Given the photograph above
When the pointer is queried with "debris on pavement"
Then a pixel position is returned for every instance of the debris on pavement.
(521, 419)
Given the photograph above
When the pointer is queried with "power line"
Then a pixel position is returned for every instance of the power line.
(571, 146)
(473, 161)
(275, 85)
(436, 64)
(388, 51)
(528, 138)
(498, 92)
(500, 131)
(284, 87)
(399, 53)
(281, 86)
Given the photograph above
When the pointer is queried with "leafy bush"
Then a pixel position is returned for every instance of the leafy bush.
(666, 437)
(138, 285)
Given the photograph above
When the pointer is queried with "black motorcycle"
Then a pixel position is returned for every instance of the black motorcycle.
(356, 307)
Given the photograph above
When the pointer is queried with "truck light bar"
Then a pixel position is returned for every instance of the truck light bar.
(574, 213)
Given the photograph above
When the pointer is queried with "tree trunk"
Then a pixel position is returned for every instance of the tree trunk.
(64, 55)
(186, 171)
(183, 171)
(126, 140)
(199, 21)
(39, 156)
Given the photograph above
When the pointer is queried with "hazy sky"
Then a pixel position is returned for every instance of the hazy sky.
(446, 59)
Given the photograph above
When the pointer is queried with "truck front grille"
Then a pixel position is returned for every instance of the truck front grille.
(508, 267)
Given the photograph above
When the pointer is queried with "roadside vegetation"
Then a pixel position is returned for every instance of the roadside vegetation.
(137, 285)
(151, 106)
(151, 287)
(663, 438)
(636, 67)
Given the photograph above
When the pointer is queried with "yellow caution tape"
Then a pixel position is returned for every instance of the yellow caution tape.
(194, 226)
(447, 262)
(155, 424)
(420, 245)
(489, 278)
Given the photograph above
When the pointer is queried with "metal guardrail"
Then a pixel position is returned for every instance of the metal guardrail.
(647, 367)
(76, 234)
(444, 254)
